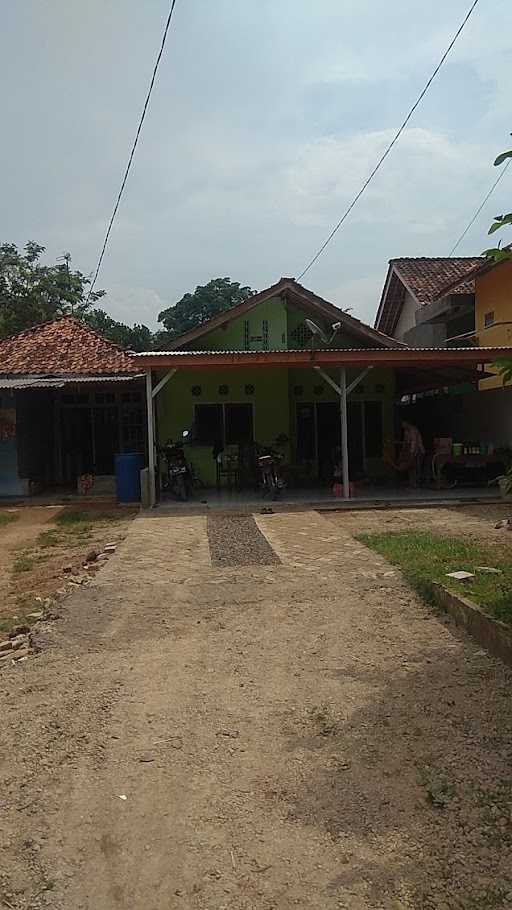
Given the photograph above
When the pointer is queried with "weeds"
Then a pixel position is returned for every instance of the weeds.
(425, 557)
(7, 517)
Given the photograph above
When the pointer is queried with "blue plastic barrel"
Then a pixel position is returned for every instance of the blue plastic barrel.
(128, 468)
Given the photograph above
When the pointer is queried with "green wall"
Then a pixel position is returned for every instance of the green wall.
(231, 336)
(176, 406)
(274, 402)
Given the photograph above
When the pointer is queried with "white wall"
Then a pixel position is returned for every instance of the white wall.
(407, 319)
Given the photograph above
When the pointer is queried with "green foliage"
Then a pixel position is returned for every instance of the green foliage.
(503, 157)
(499, 255)
(7, 517)
(134, 338)
(88, 516)
(218, 295)
(31, 293)
(425, 558)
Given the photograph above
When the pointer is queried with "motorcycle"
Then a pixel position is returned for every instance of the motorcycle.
(179, 476)
(271, 481)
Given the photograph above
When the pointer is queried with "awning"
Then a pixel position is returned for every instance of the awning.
(346, 357)
(417, 369)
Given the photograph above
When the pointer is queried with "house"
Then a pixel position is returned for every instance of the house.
(69, 401)
(288, 368)
(456, 303)
(429, 301)
(492, 309)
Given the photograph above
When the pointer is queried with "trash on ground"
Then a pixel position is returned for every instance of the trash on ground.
(460, 576)
(488, 570)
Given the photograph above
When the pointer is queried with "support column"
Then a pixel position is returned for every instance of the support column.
(151, 437)
(344, 432)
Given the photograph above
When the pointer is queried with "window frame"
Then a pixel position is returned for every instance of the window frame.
(223, 405)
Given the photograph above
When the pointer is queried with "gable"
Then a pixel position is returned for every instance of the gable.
(273, 325)
(422, 279)
(261, 323)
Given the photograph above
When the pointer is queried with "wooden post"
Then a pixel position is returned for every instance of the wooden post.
(151, 438)
(344, 433)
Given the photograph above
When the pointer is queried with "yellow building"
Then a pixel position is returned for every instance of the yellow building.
(493, 312)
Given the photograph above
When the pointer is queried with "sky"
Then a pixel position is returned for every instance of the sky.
(265, 119)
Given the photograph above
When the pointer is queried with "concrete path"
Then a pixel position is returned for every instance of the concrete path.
(256, 737)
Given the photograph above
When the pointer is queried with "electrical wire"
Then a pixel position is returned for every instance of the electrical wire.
(134, 146)
(391, 144)
(480, 207)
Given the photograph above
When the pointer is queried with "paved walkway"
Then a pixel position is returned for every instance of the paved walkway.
(256, 737)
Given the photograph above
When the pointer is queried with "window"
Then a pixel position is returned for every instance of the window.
(264, 334)
(247, 343)
(208, 424)
(489, 319)
(373, 429)
(228, 424)
(301, 335)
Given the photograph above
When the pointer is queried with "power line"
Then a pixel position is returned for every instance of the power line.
(480, 207)
(391, 144)
(134, 146)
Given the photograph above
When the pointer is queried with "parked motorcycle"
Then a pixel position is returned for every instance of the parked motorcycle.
(271, 480)
(179, 475)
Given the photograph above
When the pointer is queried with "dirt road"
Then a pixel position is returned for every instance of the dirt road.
(297, 733)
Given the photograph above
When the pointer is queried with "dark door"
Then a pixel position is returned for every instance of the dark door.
(306, 442)
(238, 424)
(329, 434)
(355, 439)
(329, 438)
(106, 439)
(76, 440)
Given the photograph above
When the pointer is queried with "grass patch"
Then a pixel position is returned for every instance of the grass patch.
(424, 558)
(6, 518)
(73, 517)
(27, 561)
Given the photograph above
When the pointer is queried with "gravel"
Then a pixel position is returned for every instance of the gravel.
(236, 540)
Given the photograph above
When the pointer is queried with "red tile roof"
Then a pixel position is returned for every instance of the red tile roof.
(425, 277)
(63, 347)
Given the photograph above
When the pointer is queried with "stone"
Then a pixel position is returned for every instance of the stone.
(18, 642)
(67, 570)
(91, 556)
(38, 615)
(23, 652)
(5, 645)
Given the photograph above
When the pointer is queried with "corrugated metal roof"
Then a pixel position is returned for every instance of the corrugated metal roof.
(400, 350)
(57, 382)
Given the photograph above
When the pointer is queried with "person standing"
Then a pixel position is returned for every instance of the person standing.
(412, 452)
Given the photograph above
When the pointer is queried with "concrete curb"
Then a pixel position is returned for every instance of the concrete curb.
(495, 636)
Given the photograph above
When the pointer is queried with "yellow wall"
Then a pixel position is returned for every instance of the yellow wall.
(494, 294)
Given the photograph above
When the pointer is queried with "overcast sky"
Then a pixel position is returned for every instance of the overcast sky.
(264, 121)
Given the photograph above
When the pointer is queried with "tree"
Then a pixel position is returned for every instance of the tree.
(218, 295)
(31, 293)
(499, 254)
(135, 338)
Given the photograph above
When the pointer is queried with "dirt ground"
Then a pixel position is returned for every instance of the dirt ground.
(49, 565)
(294, 733)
